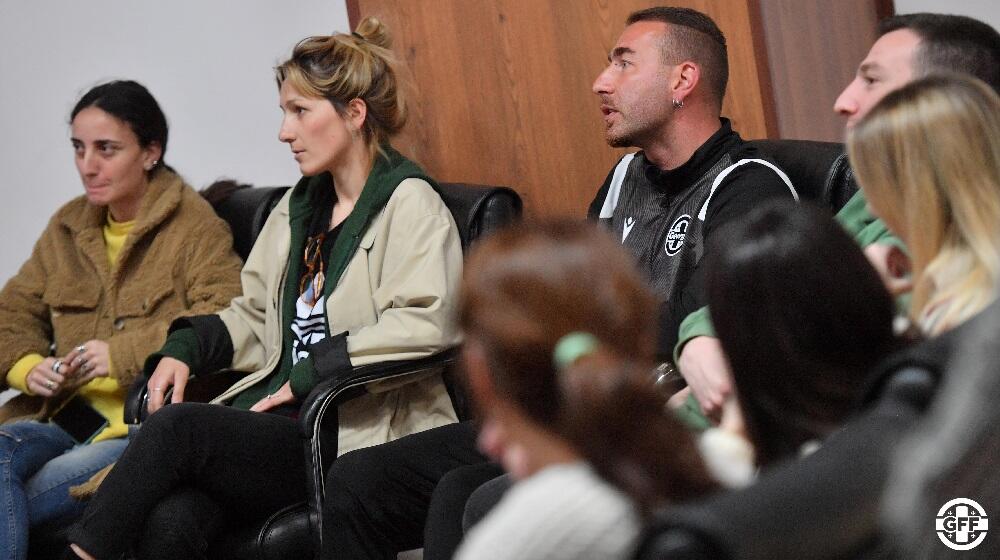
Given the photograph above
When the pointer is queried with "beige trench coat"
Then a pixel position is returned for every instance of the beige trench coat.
(396, 299)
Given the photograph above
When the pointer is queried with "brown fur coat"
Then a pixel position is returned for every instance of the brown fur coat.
(177, 260)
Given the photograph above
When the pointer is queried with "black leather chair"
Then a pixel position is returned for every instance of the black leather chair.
(295, 531)
(823, 506)
(819, 171)
(246, 210)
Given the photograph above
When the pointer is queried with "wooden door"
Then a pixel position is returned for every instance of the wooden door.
(503, 88)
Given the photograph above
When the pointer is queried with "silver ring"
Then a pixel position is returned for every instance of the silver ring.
(57, 366)
(81, 348)
(50, 384)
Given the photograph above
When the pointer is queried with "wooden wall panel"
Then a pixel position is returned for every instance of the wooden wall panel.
(813, 50)
(503, 88)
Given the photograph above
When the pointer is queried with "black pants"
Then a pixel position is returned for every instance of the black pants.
(484, 498)
(378, 498)
(190, 469)
(449, 507)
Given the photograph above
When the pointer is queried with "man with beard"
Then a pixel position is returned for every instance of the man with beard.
(662, 92)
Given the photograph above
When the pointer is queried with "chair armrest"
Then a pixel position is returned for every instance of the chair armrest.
(320, 444)
(137, 400)
(325, 393)
(202, 388)
(661, 542)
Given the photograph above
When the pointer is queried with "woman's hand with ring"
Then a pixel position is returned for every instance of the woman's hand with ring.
(283, 396)
(169, 373)
(44, 379)
(89, 360)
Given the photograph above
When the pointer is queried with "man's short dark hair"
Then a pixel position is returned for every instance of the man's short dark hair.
(951, 43)
(693, 36)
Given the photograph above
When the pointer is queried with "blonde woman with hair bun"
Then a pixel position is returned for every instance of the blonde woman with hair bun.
(341, 68)
(359, 263)
(928, 159)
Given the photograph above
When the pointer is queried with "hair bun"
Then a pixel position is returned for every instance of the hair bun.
(372, 29)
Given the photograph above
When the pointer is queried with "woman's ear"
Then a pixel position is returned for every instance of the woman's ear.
(151, 154)
(357, 112)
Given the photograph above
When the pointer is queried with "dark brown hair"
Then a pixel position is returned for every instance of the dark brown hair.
(802, 317)
(693, 36)
(527, 287)
(951, 43)
(131, 103)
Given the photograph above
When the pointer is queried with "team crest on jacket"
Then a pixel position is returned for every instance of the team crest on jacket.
(676, 234)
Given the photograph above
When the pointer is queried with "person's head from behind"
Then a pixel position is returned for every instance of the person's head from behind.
(527, 288)
(928, 159)
(340, 97)
(802, 316)
(911, 46)
(665, 59)
(119, 137)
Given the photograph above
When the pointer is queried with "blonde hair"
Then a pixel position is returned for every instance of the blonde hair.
(347, 66)
(928, 159)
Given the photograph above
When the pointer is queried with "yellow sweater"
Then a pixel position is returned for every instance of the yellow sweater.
(102, 393)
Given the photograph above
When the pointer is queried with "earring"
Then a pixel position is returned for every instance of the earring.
(152, 165)
(677, 103)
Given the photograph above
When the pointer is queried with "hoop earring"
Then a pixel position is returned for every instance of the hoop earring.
(677, 103)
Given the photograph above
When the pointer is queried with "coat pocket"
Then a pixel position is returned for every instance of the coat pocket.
(80, 298)
(147, 302)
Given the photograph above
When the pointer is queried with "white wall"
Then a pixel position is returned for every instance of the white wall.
(985, 10)
(208, 63)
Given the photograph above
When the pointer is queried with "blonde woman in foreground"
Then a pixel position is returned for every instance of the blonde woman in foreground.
(928, 159)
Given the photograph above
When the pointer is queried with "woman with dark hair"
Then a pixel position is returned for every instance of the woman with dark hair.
(803, 318)
(561, 371)
(359, 263)
(110, 272)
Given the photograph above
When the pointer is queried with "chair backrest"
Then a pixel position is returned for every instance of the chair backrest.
(825, 504)
(245, 210)
(479, 209)
(819, 171)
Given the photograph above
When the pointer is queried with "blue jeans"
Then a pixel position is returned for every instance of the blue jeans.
(39, 462)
